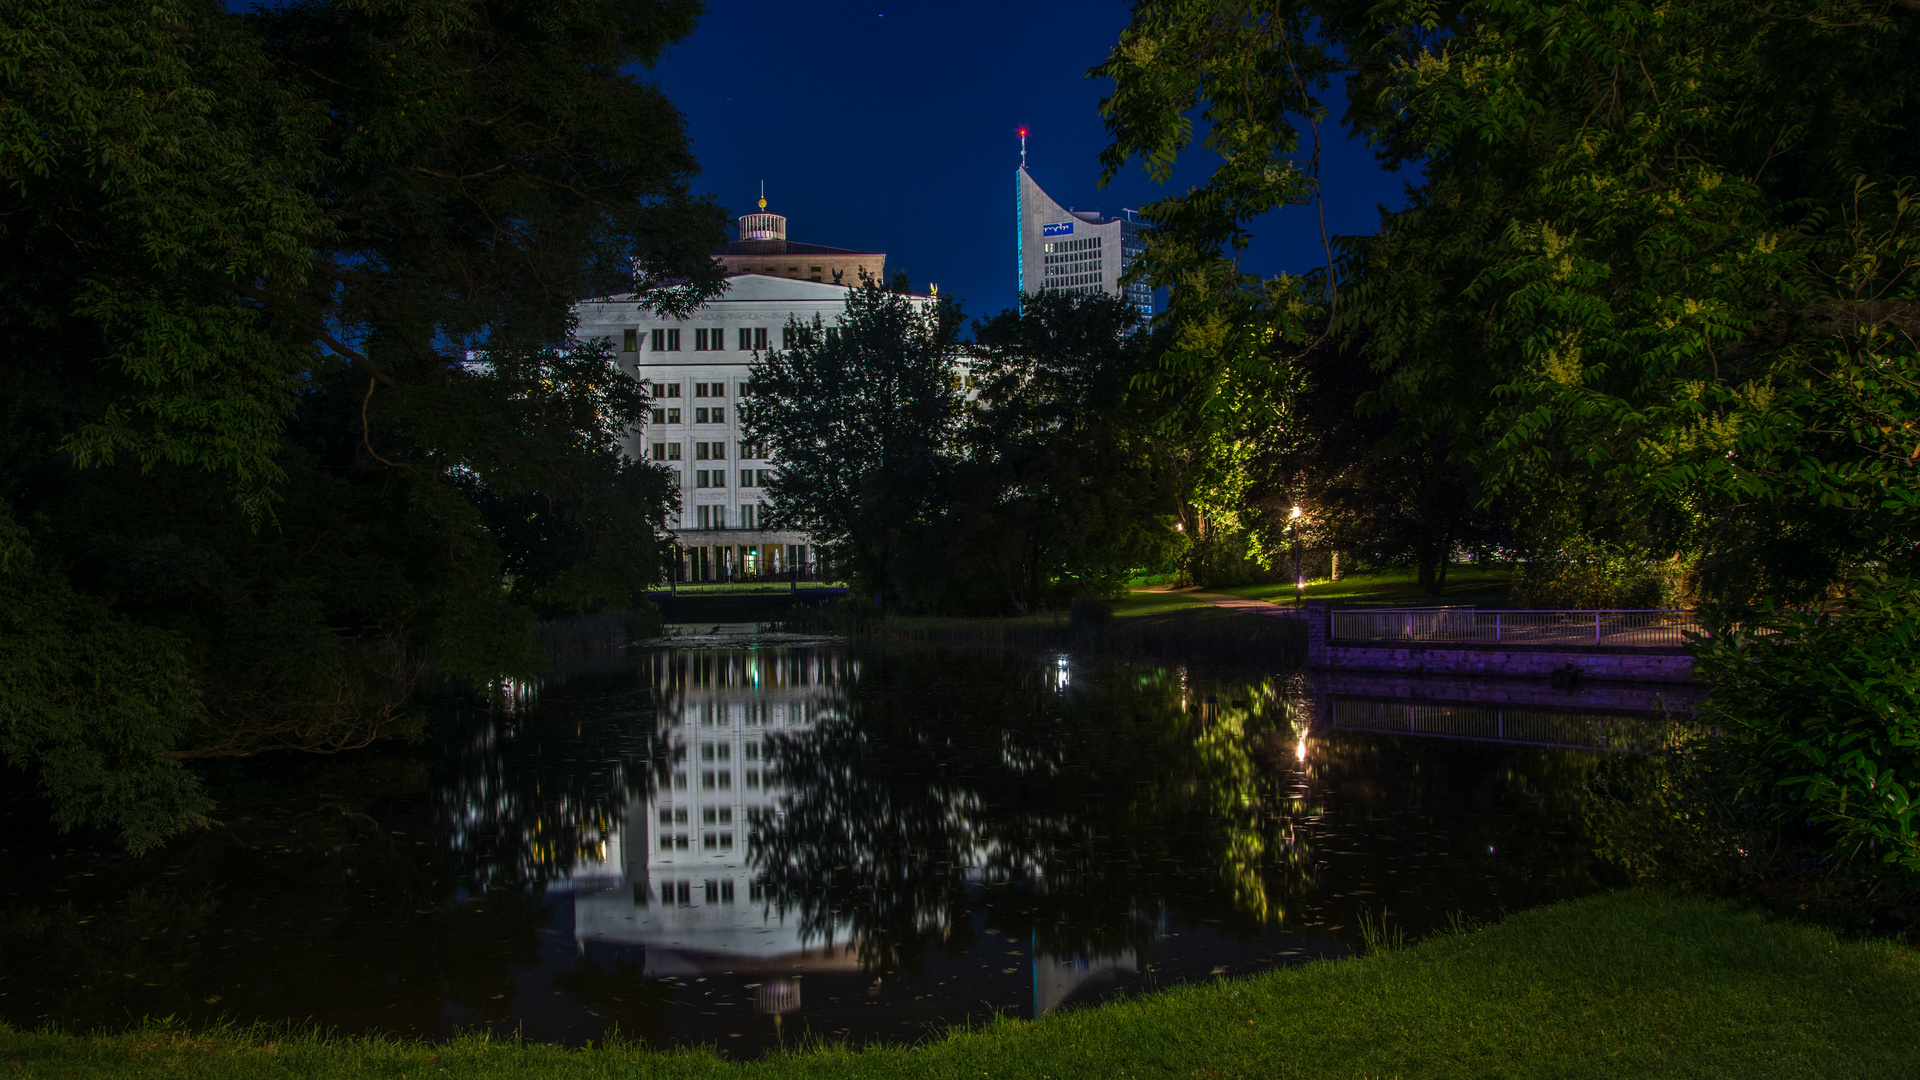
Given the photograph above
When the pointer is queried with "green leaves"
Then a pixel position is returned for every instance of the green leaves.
(1823, 710)
(860, 416)
(290, 401)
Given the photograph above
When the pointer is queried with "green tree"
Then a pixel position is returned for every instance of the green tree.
(860, 418)
(1654, 285)
(1063, 486)
(290, 405)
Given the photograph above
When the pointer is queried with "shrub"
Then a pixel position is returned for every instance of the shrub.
(1585, 575)
(1822, 713)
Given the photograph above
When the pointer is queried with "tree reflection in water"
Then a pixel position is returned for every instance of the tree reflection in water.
(972, 826)
(1081, 808)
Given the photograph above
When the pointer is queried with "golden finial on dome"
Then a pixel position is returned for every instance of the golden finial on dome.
(763, 194)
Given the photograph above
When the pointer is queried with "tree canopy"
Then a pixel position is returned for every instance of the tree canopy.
(1654, 285)
(290, 405)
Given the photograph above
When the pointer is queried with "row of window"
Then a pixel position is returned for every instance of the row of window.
(1090, 243)
(705, 339)
(717, 478)
(751, 516)
(722, 779)
(713, 451)
(680, 893)
(1068, 282)
(753, 713)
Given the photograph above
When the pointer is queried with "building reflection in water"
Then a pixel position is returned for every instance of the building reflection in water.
(683, 874)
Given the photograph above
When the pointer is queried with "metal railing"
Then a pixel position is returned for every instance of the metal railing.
(1624, 629)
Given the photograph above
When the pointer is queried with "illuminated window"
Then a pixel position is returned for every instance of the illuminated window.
(630, 340)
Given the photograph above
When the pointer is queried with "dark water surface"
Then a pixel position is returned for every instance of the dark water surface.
(744, 846)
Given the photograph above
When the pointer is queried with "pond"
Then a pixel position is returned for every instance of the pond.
(745, 847)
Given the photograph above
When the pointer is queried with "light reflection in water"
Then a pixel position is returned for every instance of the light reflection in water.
(867, 844)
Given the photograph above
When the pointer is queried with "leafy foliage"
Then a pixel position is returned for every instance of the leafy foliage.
(860, 416)
(1824, 712)
(289, 398)
(1062, 486)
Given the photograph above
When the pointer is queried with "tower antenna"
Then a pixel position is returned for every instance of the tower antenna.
(763, 194)
(1023, 148)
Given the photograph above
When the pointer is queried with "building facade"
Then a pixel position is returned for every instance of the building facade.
(1076, 251)
(697, 371)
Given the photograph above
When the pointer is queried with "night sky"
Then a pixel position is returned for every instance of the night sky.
(892, 127)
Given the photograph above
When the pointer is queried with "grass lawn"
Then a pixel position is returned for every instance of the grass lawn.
(1627, 984)
(1486, 587)
(1138, 603)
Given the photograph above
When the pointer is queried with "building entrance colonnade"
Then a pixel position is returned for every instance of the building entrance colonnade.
(746, 562)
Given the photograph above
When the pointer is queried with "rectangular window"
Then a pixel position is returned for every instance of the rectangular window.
(659, 451)
(753, 779)
(726, 887)
(630, 340)
(673, 415)
(719, 416)
(659, 416)
(673, 449)
(700, 451)
(719, 450)
(726, 780)
(673, 389)
(699, 416)
(760, 476)
(700, 520)
(659, 340)
(746, 478)
(699, 389)
(718, 337)
(700, 339)
(746, 338)
(673, 340)
(750, 450)
(786, 337)
(706, 780)
(760, 338)
(746, 520)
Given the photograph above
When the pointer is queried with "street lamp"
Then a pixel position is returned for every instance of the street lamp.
(1293, 532)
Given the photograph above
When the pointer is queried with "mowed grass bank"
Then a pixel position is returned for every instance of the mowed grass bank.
(1483, 586)
(1626, 984)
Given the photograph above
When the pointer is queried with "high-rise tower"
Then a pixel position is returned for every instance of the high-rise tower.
(1076, 251)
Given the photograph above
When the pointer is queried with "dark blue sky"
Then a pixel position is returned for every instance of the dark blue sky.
(892, 126)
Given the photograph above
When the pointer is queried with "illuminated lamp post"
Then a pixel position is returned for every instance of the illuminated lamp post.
(1293, 533)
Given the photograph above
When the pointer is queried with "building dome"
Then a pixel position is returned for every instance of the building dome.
(763, 226)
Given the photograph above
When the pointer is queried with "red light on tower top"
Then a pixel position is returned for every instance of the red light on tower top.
(1023, 148)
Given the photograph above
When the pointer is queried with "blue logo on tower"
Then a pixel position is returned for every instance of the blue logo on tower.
(1061, 228)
